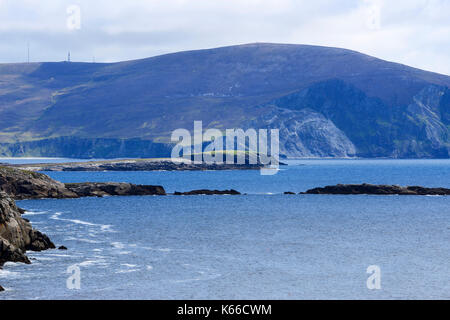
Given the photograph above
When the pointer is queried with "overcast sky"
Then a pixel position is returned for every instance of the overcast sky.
(413, 32)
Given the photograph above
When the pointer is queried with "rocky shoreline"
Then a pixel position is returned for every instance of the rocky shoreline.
(16, 233)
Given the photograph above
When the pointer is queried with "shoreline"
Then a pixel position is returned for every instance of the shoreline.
(156, 164)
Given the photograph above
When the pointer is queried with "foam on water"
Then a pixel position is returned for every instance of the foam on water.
(103, 227)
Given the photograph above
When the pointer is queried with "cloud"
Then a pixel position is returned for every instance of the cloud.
(413, 32)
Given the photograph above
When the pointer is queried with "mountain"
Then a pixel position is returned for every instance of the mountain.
(327, 102)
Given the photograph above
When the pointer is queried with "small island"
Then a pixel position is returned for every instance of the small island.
(374, 189)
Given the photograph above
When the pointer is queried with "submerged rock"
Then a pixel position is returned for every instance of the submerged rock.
(1, 289)
(62, 248)
(377, 189)
(207, 192)
(289, 192)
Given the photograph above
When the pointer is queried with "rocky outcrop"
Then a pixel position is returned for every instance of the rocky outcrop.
(100, 189)
(8, 252)
(17, 235)
(22, 184)
(377, 189)
(207, 192)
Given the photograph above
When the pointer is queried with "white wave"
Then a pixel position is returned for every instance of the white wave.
(87, 263)
(91, 262)
(118, 245)
(106, 228)
(103, 227)
(10, 264)
(128, 265)
(127, 271)
(82, 240)
(45, 258)
(60, 255)
(8, 274)
(35, 213)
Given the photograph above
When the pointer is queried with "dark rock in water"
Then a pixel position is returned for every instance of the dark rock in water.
(289, 192)
(62, 248)
(207, 192)
(39, 241)
(100, 189)
(17, 234)
(1, 289)
(377, 189)
(9, 252)
(22, 184)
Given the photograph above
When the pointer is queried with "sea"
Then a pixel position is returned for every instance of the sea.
(259, 245)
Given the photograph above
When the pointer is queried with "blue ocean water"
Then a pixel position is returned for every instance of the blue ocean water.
(262, 245)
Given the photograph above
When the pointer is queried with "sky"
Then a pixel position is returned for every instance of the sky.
(412, 32)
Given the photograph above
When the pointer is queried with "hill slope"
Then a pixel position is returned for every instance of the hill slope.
(326, 102)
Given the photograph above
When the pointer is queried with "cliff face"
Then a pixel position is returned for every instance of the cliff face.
(335, 118)
(16, 234)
